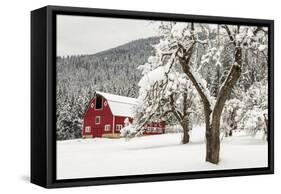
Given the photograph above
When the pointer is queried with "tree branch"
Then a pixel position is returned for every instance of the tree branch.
(177, 114)
(229, 34)
(258, 29)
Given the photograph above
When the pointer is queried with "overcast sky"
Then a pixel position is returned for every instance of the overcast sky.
(89, 35)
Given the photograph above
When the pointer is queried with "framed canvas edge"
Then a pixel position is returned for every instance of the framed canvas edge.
(51, 181)
(159, 177)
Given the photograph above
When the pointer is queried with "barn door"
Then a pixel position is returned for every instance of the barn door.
(93, 132)
(97, 132)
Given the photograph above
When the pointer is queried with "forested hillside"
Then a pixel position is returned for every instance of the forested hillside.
(114, 71)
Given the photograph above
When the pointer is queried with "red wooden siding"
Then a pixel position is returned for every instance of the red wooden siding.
(106, 118)
(114, 122)
(154, 128)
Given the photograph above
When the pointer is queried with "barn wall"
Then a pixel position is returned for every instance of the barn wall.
(106, 118)
(154, 128)
(119, 121)
(89, 119)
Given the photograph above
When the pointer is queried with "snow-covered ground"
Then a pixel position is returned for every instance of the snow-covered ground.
(100, 157)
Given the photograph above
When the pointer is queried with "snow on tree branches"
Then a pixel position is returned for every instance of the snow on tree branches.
(177, 55)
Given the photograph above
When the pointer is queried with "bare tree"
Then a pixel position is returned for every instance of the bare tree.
(182, 41)
(165, 98)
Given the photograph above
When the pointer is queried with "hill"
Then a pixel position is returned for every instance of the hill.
(113, 71)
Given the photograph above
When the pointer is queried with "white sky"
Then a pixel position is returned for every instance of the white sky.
(89, 35)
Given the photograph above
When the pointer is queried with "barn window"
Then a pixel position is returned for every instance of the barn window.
(119, 127)
(98, 102)
(107, 128)
(88, 129)
(97, 119)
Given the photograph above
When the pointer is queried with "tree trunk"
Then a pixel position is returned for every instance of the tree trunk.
(213, 123)
(213, 141)
(230, 132)
(185, 128)
(184, 62)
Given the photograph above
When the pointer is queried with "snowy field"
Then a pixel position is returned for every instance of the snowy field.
(100, 157)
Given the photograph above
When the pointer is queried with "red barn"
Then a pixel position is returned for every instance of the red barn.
(106, 114)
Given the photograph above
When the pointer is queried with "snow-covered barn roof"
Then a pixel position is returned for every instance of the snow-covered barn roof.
(120, 105)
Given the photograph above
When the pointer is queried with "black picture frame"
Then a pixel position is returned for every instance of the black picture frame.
(43, 96)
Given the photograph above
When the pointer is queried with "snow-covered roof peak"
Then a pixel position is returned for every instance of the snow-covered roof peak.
(119, 105)
(118, 98)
